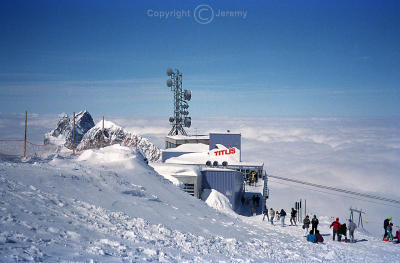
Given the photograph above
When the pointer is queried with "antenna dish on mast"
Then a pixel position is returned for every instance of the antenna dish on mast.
(170, 82)
(187, 94)
(169, 72)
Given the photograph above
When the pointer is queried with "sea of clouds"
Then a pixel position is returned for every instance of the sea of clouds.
(358, 154)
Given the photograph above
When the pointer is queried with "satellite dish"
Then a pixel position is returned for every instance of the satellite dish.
(171, 119)
(169, 71)
(215, 163)
(187, 94)
(187, 122)
(170, 83)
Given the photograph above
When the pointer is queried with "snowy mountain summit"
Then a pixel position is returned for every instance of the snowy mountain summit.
(114, 134)
(90, 136)
(63, 135)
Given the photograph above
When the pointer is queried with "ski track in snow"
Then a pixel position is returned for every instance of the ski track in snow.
(43, 220)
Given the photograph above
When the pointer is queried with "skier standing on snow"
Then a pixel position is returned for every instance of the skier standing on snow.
(272, 215)
(283, 214)
(306, 224)
(385, 225)
(336, 226)
(278, 215)
(265, 212)
(352, 227)
(293, 217)
(389, 236)
(314, 224)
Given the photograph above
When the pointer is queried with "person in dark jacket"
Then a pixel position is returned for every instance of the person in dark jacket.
(257, 201)
(343, 231)
(336, 226)
(306, 224)
(265, 212)
(319, 237)
(293, 217)
(314, 224)
(282, 215)
(386, 224)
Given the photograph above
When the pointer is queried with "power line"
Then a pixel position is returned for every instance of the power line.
(336, 189)
(346, 196)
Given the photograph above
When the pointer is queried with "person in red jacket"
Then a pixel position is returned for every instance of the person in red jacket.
(336, 226)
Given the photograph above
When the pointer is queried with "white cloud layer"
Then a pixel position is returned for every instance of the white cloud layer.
(358, 154)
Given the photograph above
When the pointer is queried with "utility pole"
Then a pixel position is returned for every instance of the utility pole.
(73, 137)
(300, 216)
(102, 134)
(305, 207)
(26, 127)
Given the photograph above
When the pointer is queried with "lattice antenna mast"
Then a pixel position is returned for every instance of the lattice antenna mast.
(181, 98)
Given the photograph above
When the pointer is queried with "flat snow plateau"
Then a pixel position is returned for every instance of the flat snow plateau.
(107, 205)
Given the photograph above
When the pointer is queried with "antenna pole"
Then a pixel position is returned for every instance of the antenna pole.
(102, 133)
(26, 127)
(73, 136)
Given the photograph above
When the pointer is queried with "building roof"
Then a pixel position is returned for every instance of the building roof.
(218, 169)
(189, 147)
(189, 137)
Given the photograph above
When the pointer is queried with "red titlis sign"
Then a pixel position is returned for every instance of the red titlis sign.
(225, 152)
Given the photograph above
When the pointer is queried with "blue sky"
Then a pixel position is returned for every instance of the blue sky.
(284, 58)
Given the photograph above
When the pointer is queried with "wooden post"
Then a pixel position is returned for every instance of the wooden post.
(102, 134)
(73, 136)
(26, 127)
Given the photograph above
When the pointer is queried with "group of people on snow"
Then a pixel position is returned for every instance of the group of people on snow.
(271, 214)
(314, 235)
(252, 203)
(388, 227)
(314, 224)
(339, 230)
(253, 179)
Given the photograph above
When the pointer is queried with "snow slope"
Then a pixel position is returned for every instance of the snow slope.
(109, 206)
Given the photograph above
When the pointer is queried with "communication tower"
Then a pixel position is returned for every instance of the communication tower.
(180, 118)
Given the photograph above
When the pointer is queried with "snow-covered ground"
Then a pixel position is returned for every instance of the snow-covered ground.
(107, 205)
